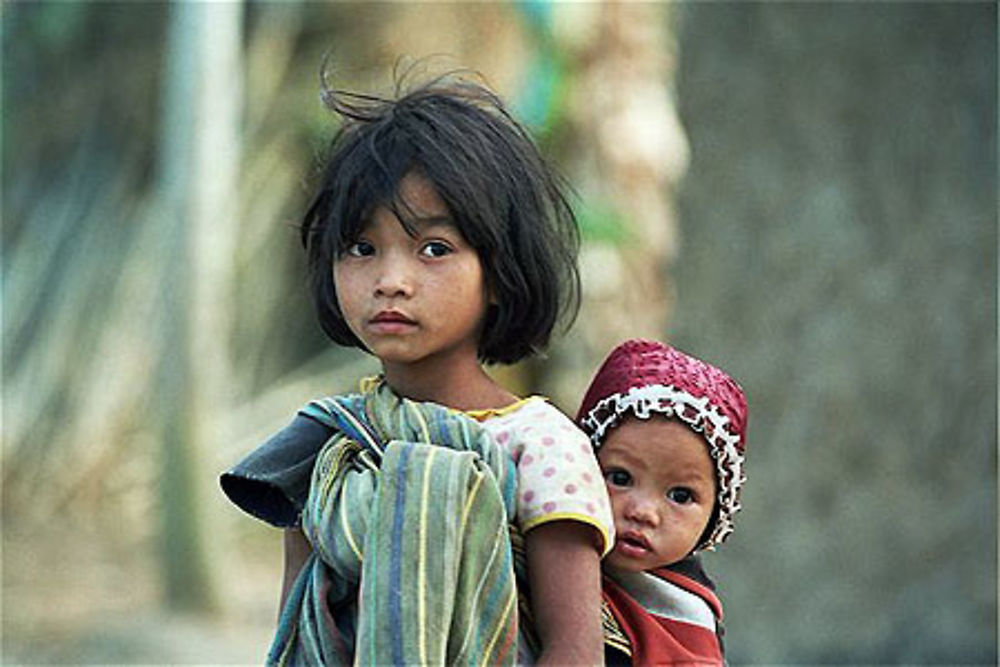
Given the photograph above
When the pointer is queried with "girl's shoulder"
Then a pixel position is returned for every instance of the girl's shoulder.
(531, 419)
(531, 412)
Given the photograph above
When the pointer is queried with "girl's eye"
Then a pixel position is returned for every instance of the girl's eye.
(435, 249)
(618, 477)
(681, 495)
(360, 249)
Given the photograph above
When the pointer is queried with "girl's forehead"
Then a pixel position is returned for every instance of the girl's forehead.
(415, 224)
(416, 204)
(420, 195)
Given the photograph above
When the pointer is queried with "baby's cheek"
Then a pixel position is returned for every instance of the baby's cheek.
(615, 499)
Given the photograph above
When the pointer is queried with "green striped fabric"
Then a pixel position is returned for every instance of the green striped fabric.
(408, 515)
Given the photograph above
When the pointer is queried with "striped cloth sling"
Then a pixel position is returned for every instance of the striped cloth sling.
(407, 514)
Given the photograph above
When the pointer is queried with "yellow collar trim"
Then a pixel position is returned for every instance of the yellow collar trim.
(487, 413)
(370, 383)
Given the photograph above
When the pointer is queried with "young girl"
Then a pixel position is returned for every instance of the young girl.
(439, 240)
(670, 432)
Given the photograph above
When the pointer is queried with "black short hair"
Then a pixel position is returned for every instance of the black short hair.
(506, 200)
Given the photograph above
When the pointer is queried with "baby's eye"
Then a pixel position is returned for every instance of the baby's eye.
(360, 249)
(618, 477)
(681, 495)
(435, 249)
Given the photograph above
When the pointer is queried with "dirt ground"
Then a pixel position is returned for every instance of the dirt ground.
(76, 596)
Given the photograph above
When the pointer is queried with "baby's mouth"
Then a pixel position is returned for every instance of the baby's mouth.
(633, 543)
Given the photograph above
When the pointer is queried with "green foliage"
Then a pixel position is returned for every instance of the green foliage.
(601, 222)
(539, 102)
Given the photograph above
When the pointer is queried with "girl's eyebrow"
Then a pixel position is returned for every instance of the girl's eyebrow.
(431, 220)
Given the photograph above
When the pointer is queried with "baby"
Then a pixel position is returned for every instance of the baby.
(669, 430)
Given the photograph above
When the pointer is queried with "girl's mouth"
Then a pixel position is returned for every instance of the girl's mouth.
(391, 321)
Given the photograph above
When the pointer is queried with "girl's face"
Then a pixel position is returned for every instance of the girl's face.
(661, 483)
(413, 299)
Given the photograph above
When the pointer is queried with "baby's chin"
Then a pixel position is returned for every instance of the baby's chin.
(619, 563)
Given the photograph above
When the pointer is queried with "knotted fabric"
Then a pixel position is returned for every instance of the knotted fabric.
(407, 513)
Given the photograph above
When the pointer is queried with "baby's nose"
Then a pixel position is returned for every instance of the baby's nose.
(643, 509)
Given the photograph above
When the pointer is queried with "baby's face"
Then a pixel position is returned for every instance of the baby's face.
(661, 482)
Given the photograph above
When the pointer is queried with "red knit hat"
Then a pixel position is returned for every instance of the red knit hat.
(642, 377)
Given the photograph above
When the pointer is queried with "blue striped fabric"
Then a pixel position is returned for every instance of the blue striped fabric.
(408, 514)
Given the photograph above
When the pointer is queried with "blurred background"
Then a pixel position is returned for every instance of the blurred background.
(804, 194)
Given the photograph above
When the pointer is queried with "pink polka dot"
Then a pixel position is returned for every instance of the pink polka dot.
(528, 496)
(585, 448)
(549, 471)
(591, 508)
(587, 478)
(549, 506)
(570, 489)
(548, 441)
(503, 437)
(569, 457)
(527, 460)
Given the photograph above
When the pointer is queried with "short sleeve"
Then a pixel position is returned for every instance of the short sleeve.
(557, 471)
(272, 482)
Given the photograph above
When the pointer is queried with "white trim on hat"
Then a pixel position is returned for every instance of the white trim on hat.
(702, 417)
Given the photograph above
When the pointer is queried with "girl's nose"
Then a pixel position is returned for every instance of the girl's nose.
(393, 279)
